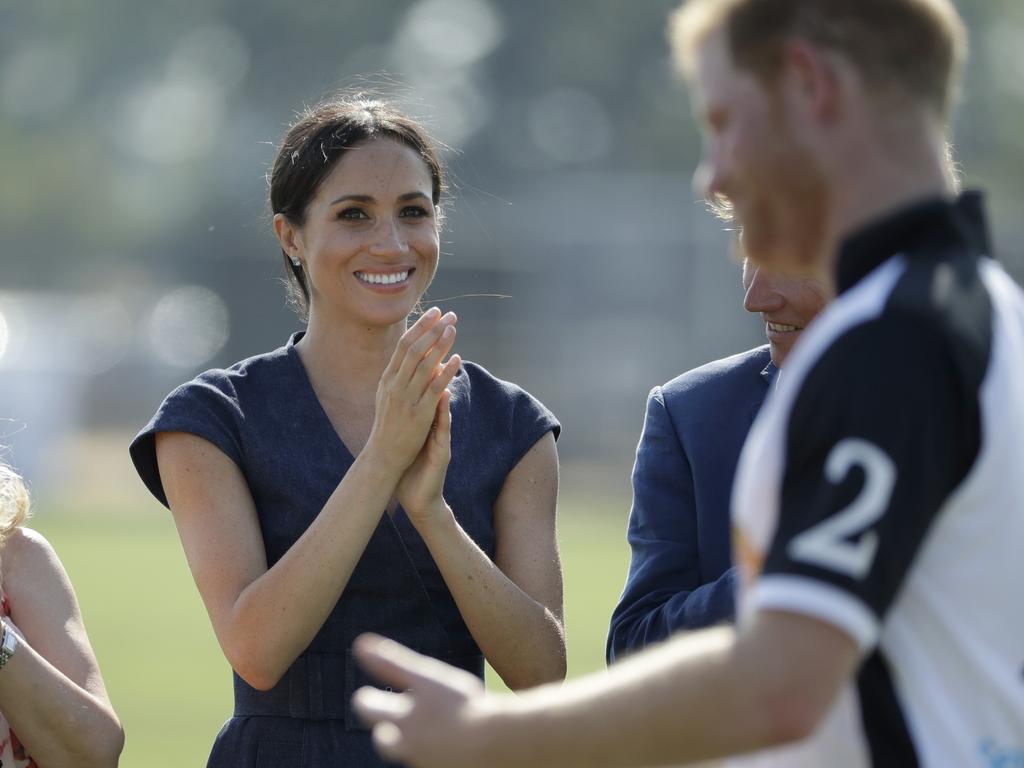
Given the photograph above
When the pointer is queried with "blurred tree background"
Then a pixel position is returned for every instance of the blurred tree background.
(137, 249)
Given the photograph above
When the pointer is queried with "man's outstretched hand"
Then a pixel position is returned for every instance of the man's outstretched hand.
(439, 721)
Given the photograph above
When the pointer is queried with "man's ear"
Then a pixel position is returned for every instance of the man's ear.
(813, 79)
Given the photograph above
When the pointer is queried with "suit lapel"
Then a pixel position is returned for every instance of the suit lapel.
(766, 380)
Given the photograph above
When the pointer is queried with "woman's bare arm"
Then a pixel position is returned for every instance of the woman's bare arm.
(51, 691)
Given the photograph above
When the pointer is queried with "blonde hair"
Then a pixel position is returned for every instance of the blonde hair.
(14, 502)
(916, 46)
(690, 26)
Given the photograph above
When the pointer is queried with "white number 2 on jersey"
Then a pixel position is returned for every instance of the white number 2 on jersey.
(831, 543)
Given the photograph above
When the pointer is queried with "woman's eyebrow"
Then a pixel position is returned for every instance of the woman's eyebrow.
(371, 199)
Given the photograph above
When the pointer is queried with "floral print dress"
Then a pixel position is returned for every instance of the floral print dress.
(12, 752)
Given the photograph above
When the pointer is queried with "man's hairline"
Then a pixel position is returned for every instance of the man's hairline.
(688, 45)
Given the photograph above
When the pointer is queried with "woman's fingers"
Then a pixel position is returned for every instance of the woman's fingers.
(444, 414)
(442, 431)
(426, 322)
(419, 348)
(444, 377)
(429, 364)
(408, 394)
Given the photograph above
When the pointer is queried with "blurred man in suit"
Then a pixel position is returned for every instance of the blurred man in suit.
(681, 574)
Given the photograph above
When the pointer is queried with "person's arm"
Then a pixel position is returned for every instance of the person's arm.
(700, 696)
(663, 593)
(51, 691)
(869, 465)
(512, 605)
(264, 618)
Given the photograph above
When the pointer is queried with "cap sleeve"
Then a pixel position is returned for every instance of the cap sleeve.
(531, 420)
(206, 407)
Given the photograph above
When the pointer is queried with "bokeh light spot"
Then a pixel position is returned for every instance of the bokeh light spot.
(571, 126)
(453, 32)
(188, 326)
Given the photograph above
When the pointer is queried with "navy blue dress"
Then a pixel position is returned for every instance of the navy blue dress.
(264, 415)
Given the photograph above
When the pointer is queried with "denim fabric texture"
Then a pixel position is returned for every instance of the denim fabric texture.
(265, 416)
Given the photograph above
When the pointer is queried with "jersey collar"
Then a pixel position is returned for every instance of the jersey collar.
(933, 223)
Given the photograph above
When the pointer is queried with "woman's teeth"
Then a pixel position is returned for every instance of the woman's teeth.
(782, 328)
(379, 278)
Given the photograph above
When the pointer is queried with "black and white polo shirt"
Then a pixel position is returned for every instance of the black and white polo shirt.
(881, 490)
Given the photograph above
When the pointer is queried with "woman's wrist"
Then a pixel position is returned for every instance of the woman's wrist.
(434, 520)
(8, 642)
(380, 464)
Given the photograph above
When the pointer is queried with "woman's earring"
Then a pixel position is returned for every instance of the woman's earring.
(296, 262)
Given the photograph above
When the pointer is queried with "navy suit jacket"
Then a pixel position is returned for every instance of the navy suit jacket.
(681, 574)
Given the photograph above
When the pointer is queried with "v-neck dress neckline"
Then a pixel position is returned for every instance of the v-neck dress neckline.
(317, 407)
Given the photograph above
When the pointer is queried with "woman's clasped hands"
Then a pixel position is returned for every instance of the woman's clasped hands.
(412, 425)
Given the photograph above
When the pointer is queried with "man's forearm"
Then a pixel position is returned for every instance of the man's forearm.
(699, 696)
(681, 702)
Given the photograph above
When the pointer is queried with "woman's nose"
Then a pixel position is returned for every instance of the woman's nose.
(388, 240)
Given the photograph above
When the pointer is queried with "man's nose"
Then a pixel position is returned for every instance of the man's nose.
(761, 295)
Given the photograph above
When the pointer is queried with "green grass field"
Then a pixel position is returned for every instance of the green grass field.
(163, 669)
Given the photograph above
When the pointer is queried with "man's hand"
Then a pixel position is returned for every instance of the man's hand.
(441, 719)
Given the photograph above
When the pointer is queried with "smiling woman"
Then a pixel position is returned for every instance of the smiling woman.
(317, 489)
(316, 156)
(369, 233)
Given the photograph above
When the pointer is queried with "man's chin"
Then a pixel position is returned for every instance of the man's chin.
(779, 351)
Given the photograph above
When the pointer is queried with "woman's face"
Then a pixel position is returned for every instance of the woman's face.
(370, 242)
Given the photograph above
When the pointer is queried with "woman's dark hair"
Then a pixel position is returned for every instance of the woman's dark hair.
(316, 142)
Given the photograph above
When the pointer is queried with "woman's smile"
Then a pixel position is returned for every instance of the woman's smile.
(385, 281)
